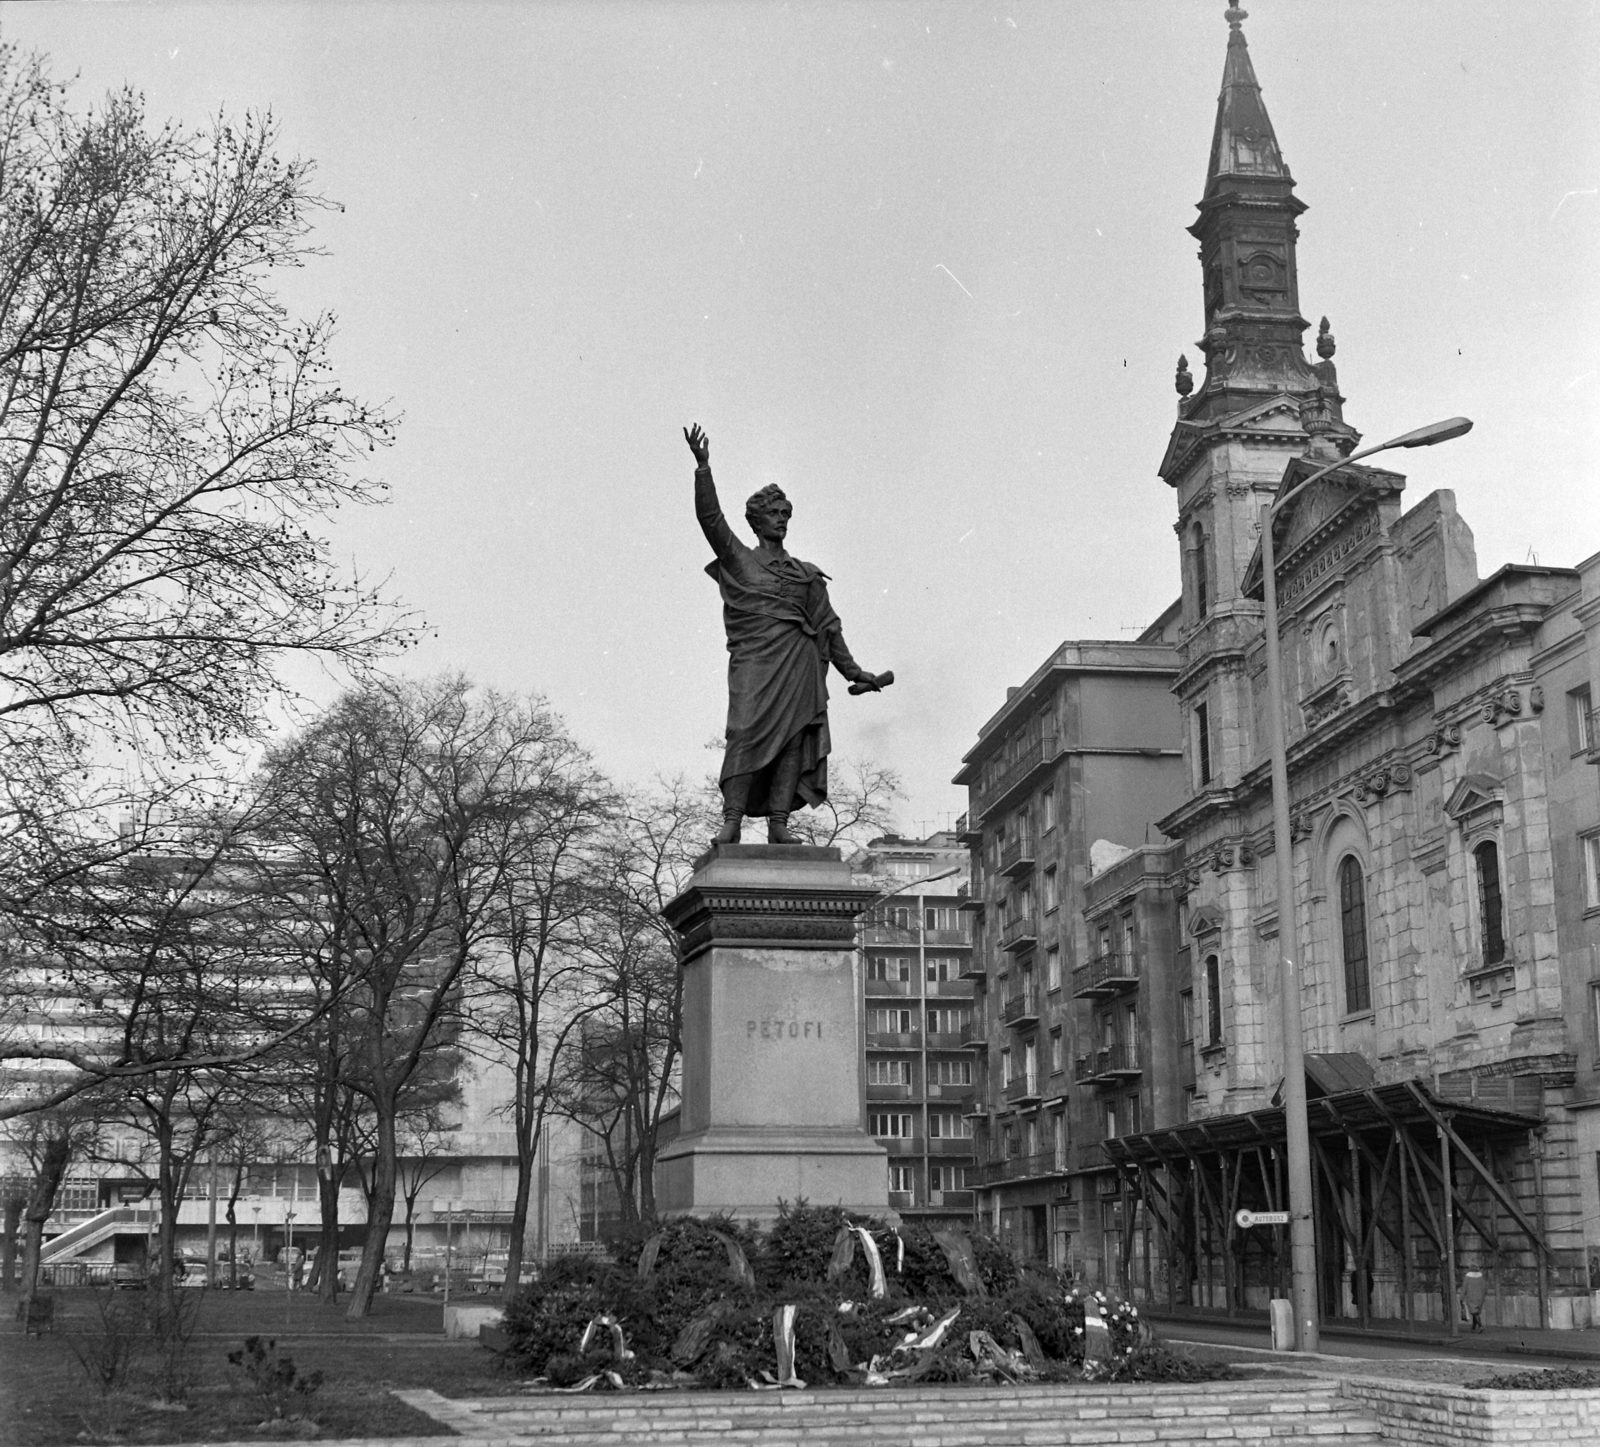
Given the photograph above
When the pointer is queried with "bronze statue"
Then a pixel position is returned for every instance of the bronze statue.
(782, 635)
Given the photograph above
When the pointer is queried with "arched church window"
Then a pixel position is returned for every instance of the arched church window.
(1213, 1001)
(1202, 572)
(1491, 918)
(1353, 936)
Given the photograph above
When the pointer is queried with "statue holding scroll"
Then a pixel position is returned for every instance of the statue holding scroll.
(782, 635)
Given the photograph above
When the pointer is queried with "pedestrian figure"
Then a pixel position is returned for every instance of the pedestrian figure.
(1474, 1287)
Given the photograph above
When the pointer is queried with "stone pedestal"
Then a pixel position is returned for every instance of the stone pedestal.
(772, 1063)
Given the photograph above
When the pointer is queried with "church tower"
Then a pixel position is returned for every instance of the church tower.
(1259, 404)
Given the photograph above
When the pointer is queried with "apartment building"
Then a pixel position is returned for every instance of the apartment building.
(1063, 780)
(916, 950)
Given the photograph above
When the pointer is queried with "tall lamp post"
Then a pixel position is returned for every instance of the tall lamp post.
(1302, 1243)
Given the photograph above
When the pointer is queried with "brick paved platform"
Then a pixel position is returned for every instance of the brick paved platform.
(1298, 1413)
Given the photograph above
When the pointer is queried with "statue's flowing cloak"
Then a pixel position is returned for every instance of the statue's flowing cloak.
(782, 634)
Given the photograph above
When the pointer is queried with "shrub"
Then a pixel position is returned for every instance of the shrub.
(273, 1374)
(1543, 1379)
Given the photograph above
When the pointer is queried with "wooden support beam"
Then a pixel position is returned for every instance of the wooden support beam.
(1499, 1192)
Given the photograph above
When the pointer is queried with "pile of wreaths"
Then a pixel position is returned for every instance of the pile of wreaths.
(823, 1297)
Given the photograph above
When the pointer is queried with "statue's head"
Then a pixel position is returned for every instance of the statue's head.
(768, 513)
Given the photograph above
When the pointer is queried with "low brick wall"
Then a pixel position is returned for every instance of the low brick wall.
(1425, 1414)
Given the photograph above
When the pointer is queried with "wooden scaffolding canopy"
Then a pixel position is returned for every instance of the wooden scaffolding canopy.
(1402, 1161)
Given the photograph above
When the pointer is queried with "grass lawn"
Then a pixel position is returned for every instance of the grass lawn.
(47, 1398)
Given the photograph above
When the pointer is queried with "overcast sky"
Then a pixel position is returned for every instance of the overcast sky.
(925, 266)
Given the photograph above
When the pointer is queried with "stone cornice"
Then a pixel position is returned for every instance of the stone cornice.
(751, 917)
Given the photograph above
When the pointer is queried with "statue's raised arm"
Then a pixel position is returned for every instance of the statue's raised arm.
(782, 635)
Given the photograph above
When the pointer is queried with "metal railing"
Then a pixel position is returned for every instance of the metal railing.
(1023, 1006)
(1017, 1168)
(1105, 975)
(1022, 1087)
(1039, 752)
(1017, 855)
(1017, 932)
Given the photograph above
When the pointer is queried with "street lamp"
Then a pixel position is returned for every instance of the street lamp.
(1302, 1244)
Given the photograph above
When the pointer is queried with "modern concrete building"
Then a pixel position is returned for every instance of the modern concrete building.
(916, 955)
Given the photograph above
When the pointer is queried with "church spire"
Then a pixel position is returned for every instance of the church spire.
(1247, 234)
(1242, 144)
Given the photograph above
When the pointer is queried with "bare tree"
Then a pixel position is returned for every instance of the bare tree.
(398, 809)
(169, 436)
(534, 990)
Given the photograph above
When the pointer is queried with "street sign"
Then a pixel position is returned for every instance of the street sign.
(1262, 1218)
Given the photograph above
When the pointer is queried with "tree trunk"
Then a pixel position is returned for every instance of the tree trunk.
(8, 1263)
(380, 1213)
(41, 1201)
(519, 1222)
(328, 1256)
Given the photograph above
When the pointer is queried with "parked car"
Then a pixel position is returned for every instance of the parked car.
(190, 1270)
(128, 1276)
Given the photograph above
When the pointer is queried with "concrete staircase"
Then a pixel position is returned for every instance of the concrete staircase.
(1294, 1413)
(110, 1222)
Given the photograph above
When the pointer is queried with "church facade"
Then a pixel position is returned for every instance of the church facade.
(1445, 810)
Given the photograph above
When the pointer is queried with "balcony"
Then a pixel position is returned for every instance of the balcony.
(1017, 857)
(1022, 1010)
(968, 901)
(1112, 1063)
(952, 1092)
(902, 1200)
(960, 1145)
(972, 1037)
(1022, 1090)
(1104, 976)
(901, 1145)
(946, 1040)
(972, 968)
(903, 936)
(1020, 1168)
(1022, 769)
(886, 989)
(1019, 934)
(891, 1040)
(888, 1092)
(950, 989)
(951, 1200)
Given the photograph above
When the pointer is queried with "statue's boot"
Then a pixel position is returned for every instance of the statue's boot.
(785, 780)
(735, 794)
(778, 831)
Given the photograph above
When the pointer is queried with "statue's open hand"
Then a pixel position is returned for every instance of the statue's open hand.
(699, 444)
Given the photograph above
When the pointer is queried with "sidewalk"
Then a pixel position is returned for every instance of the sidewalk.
(1250, 1328)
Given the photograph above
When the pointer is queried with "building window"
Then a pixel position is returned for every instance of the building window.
(1202, 742)
(888, 1022)
(1128, 949)
(1131, 1115)
(1111, 1120)
(1213, 1000)
(1057, 1060)
(1052, 968)
(1201, 567)
(1048, 806)
(1490, 908)
(1005, 1067)
(1353, 934)
(1051, 898)
(889, 967)
(947, 1178)
(943, 968)
(1580, 719)
(1186, 1016)
(888, 1072)
(951, 1072)
(895, 1124)
(1591, 871)
(948, 1019)
(944, 917)
(1030, 1062)
(1594, 1007)
(901, 1179)
(949, 1125)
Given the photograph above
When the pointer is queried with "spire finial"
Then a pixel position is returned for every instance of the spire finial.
(1325, 344)
(1235, 15)
(1183, 382)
